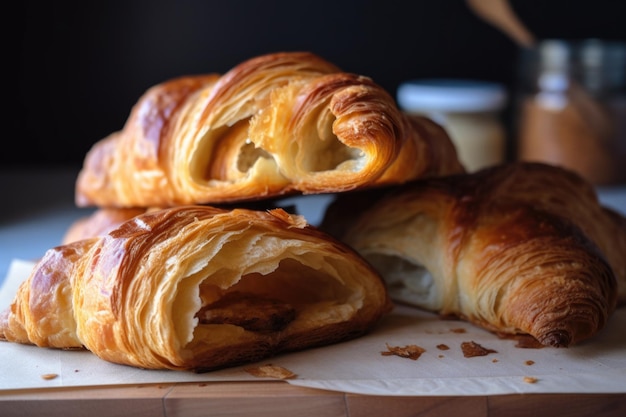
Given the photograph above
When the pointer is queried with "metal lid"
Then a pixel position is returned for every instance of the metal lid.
(451, 95)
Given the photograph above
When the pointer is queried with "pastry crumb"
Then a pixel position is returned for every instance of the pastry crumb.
(530, 379)
(527, 342)
(472, 349)
(270, 371)
(409, 351)
(529, 363)
(443, 347)
(49, 376)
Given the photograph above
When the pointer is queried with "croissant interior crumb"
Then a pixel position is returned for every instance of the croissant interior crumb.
(292, 296)
(235, 152)
(408, 282)
(253, 313)
(332, 154)
(249, 154)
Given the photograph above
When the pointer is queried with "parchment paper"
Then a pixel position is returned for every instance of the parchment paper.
(357, 366)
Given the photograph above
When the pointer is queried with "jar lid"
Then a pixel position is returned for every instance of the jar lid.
(453, 95)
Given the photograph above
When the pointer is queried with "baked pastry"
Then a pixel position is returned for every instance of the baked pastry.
(104, 219)
(277, 124)
(197, 288)
(99, 223)
(521, 248)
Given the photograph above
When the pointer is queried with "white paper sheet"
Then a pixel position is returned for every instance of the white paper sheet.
(357, 366)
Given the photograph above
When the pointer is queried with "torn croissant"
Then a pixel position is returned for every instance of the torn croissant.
(277, 124)
(197, 288)
(518, 249)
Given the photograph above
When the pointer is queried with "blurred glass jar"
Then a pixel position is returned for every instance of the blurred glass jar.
(469, 110)
(571, 107)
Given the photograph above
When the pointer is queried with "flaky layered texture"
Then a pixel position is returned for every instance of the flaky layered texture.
(518, 249)
(197, 288)
(99, 223)
(276, 124)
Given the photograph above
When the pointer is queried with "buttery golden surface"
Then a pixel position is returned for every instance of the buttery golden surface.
(516, 248)
(197, 288)
(277, 124)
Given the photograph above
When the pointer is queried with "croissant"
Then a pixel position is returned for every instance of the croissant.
(522, 248)
(105, 219)
(197, 288)
(277, 124)
(100, 222)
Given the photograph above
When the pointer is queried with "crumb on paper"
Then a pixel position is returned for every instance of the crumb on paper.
(530, 379)
(495, 360)
(527, 342)
(529, 363)
(270, 371)
(409, 351)
(443, 347)
(49, 376)
(458, 330)
(472, 349)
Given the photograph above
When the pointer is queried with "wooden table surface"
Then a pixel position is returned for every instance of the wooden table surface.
(279, 398)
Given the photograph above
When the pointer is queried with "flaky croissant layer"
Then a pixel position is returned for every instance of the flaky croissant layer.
(517, 248)
(276, 124)
(197, 288)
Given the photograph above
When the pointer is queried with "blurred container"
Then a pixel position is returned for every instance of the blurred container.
(571, 107)
(469, 110)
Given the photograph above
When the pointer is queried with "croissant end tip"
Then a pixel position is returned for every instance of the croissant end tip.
(557, 338)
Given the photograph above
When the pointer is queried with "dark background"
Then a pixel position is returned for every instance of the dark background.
(76, 68)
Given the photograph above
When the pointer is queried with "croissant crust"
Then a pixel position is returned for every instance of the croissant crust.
(518, 248)
(277, 124)
(197, 288)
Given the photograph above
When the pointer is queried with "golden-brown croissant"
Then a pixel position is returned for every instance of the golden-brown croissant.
(197, 288)
(104, 219)
(99, 223)
(518, 249)
(277, 124)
